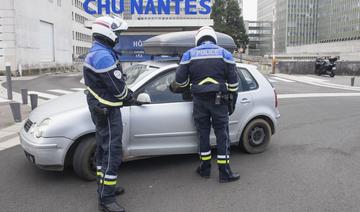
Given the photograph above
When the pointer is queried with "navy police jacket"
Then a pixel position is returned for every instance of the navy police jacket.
(104, 77)
(207, 68)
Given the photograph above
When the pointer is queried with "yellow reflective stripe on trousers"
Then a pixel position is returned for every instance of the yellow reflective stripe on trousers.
(103, 101)
(100, 174)
(210, 80)
(109, 183)
(223, 161)
(205, 157)
(233, 89)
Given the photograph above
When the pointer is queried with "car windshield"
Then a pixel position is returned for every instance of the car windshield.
(137, 72)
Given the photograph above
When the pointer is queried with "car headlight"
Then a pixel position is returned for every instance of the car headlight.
(41, 128)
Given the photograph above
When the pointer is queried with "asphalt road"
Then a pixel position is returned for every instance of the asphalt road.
(312, 164)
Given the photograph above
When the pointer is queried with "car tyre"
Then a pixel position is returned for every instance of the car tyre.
(255, 137)
(84, 159)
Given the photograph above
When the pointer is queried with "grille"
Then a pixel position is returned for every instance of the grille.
(27, 125)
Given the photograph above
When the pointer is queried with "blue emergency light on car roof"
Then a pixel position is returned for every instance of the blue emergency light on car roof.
(177, 43)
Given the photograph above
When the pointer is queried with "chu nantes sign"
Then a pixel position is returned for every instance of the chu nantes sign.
(150, 7)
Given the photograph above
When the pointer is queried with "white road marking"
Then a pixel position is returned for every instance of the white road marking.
(10, 143)
(316, 95)
(77, 89)
(318, 82)
(44, 95)
(61, 91)
(282, 79)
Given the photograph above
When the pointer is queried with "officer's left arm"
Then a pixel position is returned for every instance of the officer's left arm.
(182, 80)
(114, 80)
(232, 80)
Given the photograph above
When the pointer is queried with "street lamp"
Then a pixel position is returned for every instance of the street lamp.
(273, 64)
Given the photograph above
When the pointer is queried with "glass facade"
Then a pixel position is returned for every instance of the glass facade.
(301, 22)
(338, 20)
(265, 10)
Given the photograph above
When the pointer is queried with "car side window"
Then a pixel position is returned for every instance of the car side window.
(159, 91)
(248, 81)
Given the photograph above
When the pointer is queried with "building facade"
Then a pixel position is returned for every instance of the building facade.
(35, 34)
(318, 27)
(296, 23)
(40, 34)
(260, 37)
(265, 10)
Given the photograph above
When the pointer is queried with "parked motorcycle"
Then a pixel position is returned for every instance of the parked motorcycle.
(325, 65)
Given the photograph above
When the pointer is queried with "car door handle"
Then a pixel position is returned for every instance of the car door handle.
(245, 101)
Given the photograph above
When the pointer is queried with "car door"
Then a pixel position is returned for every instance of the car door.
(165, 126)
(245, 102)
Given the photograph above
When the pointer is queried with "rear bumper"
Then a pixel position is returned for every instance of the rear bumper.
(46, 153)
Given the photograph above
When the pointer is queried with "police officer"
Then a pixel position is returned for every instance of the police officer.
(210, 71)
(106, 93)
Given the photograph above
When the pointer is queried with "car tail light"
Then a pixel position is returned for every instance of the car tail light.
(276, 99)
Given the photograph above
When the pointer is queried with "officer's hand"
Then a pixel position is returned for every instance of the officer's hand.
(129, 99)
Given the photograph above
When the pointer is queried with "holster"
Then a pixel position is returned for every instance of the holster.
(230, 100)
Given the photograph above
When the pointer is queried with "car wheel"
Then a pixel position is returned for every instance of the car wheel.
(84, 159)
(256, 137)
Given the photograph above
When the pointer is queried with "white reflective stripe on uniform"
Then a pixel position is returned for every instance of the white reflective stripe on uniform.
(123, 94)
(229, 61)
(223, 156)
(184, 84)
(111, 177)
(98, 167)
(185, 62)
(205, 153)
(206, 57)
(233, 85)
(104, 70)
(233, 89)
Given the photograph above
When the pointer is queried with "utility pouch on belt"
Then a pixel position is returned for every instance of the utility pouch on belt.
(218, 98)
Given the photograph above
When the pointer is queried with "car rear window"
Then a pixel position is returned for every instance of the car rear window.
(247, 80)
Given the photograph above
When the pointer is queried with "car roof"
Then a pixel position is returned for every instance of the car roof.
(162, 64)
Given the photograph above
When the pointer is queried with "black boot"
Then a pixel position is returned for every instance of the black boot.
(226, 175)
(119, 190)
(111, 207)
(204, 169)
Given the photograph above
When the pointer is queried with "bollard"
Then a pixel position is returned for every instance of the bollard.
(352, 81)
(24, 95)
(16, 111)
(8, 82)
(33, 101)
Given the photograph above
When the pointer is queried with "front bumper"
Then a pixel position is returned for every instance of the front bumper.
(46, 153)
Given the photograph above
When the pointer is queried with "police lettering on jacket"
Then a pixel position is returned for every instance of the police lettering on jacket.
(208, 68)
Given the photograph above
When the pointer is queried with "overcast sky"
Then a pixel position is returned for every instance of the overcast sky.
(250, 10)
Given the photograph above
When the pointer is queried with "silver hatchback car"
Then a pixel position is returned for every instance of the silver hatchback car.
(60, 132)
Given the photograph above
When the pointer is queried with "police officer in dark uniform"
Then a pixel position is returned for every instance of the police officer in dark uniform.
(106, 93)
(210, 73)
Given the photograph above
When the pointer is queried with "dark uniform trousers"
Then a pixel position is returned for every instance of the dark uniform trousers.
(206, 114)
(109, 131)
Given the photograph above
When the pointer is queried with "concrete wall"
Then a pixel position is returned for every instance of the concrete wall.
(7, 35)
(347, 50)
(351, 68)
(23, 40)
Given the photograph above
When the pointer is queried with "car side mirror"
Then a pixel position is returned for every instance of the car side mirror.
(143, 98)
